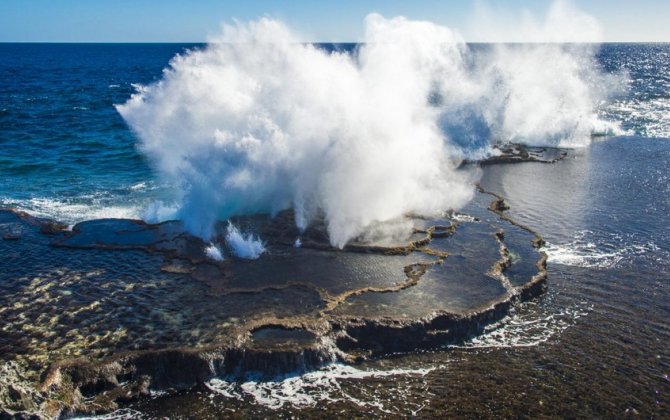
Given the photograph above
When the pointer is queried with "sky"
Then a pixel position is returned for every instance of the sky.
(334, 21)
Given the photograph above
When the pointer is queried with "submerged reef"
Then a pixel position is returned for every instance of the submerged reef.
(115, 309)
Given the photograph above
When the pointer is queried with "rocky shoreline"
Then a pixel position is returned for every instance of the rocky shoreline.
(298, 308)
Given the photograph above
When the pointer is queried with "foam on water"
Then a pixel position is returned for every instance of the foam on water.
(309, 389)
(528, 326)
(121, 414)
(585, 250)
(74, 210)
(463, 218)
(650, 117)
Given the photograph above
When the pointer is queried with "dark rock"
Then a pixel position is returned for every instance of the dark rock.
(499, 205)
(517, 153)
(52, 228)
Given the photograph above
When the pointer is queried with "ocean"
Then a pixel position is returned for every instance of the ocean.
(595, 344)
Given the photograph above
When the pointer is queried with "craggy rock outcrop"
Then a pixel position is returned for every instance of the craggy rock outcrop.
(115, 309)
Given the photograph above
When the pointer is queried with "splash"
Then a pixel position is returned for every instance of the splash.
(534, 325)
(243, 246)
(258, 122)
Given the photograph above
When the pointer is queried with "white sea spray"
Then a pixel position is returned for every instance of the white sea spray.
(258, 121)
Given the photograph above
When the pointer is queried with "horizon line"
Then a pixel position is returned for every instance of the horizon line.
(331, 42)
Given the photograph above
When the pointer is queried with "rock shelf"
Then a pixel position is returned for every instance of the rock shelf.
(116, 308)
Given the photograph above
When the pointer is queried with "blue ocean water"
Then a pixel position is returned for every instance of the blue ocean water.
(644, 108)
(64, 150)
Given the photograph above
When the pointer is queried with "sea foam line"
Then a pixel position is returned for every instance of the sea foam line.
(586, 251)
(308, 389)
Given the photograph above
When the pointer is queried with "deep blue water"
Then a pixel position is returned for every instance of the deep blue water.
(64, 149)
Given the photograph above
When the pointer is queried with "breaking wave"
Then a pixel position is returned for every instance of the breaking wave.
(310, 389)
(74, 210)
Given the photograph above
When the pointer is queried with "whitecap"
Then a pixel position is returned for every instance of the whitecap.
(73, 211)
(527, 326)
(308, 389)
(588, 252)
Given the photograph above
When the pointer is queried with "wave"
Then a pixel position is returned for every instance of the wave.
(586, 250)
(257, 121)
(647, 118)
(73, 211)
(527, 326)
(309, 389)
(120, 414)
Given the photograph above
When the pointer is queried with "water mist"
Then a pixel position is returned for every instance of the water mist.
(258, 122)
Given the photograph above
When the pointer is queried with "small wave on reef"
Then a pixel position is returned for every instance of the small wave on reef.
(258, 122)
(310, 389)
(529, 327)
(74, 210)
(589, 251)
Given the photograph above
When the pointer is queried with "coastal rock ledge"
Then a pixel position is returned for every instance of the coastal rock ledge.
(115, 309)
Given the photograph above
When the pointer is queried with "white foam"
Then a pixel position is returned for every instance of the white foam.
(463, 218)
(605, 128)
(120, 414)
(243, 246)
(214, 252)
(139, 186)
(308, 389)
(528, 326)
(72, 211)
(650, 116)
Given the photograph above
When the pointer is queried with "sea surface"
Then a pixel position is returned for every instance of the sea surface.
(596, 345)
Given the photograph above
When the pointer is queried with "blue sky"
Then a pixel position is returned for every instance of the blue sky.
(338, 21)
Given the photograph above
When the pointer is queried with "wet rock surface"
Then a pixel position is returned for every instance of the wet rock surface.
(117, 308)
(516, 153)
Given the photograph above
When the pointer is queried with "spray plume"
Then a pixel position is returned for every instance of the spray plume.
(257, 122)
